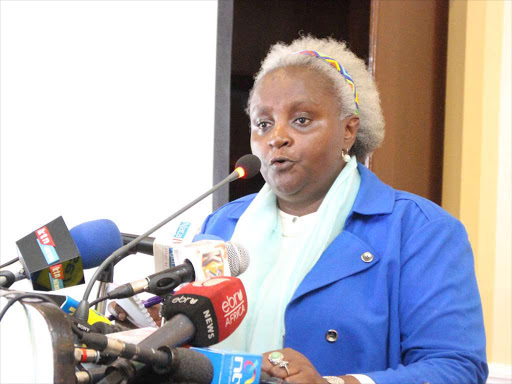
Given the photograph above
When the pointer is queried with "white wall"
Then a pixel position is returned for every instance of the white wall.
(106, 112)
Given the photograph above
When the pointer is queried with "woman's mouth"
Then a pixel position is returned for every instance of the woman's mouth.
(281, 163)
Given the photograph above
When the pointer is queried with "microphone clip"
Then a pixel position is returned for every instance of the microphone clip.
(165, 283)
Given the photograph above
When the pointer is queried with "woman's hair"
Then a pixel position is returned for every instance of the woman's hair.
(371, 122)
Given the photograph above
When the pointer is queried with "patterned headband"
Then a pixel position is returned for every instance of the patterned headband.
(340, 69)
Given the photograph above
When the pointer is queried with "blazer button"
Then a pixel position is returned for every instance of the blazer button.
(331, 336)
(367, 257)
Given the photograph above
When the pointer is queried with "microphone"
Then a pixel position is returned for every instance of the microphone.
(246, 166)
(201, 314)
(185, 363)
(198, 261)
(53, 257)
(250, 165)
(221, 367)
(96, 240)
(8, 278)
(202, 366)
(90, 374)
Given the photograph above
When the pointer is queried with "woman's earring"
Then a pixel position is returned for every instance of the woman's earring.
(345, 155)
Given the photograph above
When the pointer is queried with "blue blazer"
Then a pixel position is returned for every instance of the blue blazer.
(394, 296)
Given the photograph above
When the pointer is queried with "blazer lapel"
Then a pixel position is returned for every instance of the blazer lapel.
(342, 258)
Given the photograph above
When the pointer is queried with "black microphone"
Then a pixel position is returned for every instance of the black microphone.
(186, 366)
(200, 260)
(201, 314)
(247, 166)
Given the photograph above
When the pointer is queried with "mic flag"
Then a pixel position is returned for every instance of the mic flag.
(232, 367)
(164, 245)
(50, 257)
(216, 307)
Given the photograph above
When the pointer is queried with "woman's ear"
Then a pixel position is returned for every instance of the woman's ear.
(351, 126)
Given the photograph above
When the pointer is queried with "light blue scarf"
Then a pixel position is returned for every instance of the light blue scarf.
(272, 278)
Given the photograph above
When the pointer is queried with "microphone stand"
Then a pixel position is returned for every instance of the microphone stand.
(246, 166)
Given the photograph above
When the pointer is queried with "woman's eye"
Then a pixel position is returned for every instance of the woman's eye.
(263, 125)
(302, 120)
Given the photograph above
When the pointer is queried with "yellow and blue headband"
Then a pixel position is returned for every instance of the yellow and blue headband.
(340, 69)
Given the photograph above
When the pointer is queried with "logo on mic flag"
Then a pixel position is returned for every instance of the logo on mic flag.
(45, 242)
(50, 257)
(233, 367)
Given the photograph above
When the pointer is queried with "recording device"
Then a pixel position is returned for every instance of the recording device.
(247, 166)
(53, 257)
(199, 261)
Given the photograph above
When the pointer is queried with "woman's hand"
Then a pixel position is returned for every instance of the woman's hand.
(299, 367)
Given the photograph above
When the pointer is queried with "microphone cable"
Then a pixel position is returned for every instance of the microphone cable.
(9, 262)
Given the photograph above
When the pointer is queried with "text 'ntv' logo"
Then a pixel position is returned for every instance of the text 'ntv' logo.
(242, 369)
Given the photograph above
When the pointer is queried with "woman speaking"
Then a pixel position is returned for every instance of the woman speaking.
(350, 280)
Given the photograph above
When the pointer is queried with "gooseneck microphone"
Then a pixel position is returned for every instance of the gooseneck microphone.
(247, 166)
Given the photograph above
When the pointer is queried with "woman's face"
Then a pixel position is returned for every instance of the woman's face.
(297, 133)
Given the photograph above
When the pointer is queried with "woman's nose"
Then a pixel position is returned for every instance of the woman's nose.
(280, 136)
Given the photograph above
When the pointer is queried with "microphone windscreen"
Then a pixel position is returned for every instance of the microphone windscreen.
(251, 165)
(96, 240)
(238, 258)
(193, 367)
